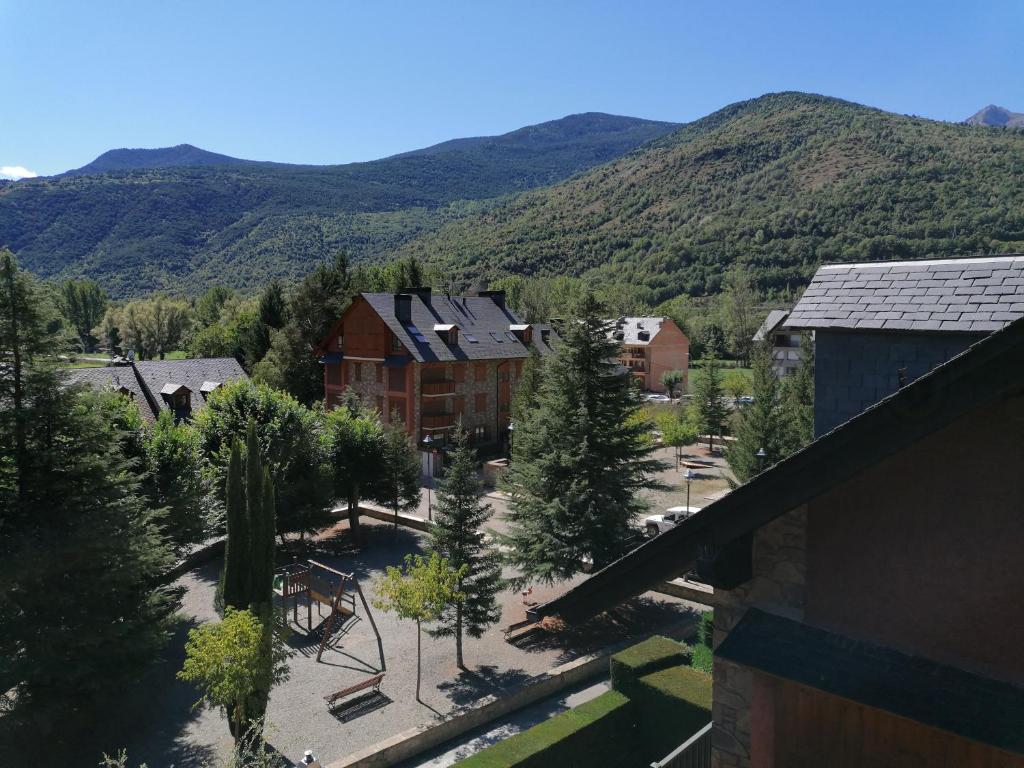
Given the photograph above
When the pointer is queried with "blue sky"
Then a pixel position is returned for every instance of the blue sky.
(337, 81)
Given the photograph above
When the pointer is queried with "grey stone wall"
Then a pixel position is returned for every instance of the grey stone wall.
(855, 370)
(777, 585)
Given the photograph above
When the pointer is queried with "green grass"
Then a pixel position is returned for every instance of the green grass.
(651, 655)
(697, 373)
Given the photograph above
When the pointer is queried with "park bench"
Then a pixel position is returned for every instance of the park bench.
(372, 682)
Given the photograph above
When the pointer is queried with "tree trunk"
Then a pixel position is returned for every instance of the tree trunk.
(353, 518)
(419, 638)
(458, 637)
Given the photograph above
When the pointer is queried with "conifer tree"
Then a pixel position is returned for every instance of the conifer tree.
(709, 395)
(456, 535)
(528, 385)
(579, 459)
(236, 551)
(798, 399)
(81, 556)
(400, 469)
(761, 425)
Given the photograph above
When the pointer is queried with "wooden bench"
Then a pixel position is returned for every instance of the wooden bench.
(372, 682)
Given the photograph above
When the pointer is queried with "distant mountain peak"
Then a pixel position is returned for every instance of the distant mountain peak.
(178, 156)
(993, 115)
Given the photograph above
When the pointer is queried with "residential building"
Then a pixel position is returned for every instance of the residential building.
(650, 347)
(785, 345)
(179, 386)
(432, 359)
(866, 589)
(881, 325)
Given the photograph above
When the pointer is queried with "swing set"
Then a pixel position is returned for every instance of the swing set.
(314, 582)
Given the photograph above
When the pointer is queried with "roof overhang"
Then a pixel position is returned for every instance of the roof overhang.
(209, 386)
(919, 689)
(173, 388)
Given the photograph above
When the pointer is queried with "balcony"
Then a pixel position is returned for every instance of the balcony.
(437, 420)
(437, 388)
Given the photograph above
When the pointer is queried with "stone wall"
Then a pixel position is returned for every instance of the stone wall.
(778, 585)
(854, 370)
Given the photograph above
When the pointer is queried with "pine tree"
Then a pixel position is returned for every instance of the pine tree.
(761, 425)
(81, 556)
(798, 399)
(528, 385)
(400, 477)
(579, 459)
(709, 396)
(456, 535)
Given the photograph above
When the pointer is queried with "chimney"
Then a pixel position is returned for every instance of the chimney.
(498, 297)
(403, 307)
(423, 293)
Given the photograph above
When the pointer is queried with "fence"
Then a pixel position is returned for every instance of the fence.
(695, 752)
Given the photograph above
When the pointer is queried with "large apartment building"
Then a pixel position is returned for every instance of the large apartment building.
(650, 347)
(432, 359)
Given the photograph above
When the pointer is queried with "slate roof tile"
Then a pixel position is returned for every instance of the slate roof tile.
(964, 295)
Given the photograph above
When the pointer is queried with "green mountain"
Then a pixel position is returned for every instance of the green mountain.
(181, 218)
(780, 183)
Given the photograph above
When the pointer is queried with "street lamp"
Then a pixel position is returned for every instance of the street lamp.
(511, 430)
(690, 477)
(429, 442)
(760, 459)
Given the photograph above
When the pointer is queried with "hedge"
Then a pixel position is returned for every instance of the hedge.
(672, 705)
(655, 653)
(600, 733)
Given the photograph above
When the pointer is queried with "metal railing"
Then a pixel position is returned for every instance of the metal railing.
(695, 752)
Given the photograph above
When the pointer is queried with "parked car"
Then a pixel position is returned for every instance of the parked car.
(745, 400)
(656, 398)
(656, 524)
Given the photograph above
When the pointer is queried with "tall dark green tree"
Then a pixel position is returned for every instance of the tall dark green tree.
(81, 557)
(709, 394)
(579, 459)
(798, 399)
(250, 558)
(174, 480)
(762, 424)
(457, 536)
(400, 478)
(528, 385)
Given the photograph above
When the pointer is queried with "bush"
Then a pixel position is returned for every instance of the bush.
(706, 628)
(673, 704)
(655, 653)
(702, 658)
(599, 733)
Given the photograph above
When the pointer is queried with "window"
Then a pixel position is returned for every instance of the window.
(470, 338)
(339, 342)
(480, 402)
(497, 337)
(357, 371)
(396, 379)
(458, 405)
(479, 434)
(519, 368)
(511, 336)
(459, 373)
(396, 344)
(418, 337)
(480, 372)
(333, 374)
(380, 373)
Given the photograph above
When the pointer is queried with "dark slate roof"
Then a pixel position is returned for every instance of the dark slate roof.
(986, 372)
(113, 377)
(775, 317)
(477, 317)
(192, 373)
(146, 379)
(631, 327)
(969, 705)
(972, 295)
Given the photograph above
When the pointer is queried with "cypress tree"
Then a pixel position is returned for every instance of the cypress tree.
(798, 399)
(579, 459)
(236, 554)
(709, 395)
(761, 425)
(456, 536)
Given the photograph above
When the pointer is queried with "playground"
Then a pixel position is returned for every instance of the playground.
(325, 602)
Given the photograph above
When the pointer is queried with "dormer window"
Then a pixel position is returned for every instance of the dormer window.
(448, 332)
(521, 331)
(208, 387)
(178, 398)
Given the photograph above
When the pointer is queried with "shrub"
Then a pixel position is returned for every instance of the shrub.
(701, 658)
(599, 733)
(673, 704)
(655, 653)
(706, 628)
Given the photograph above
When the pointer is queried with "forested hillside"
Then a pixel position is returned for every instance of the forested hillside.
(181, 218)
(780, 184)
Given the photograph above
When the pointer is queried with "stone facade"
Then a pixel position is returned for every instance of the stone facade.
(778, 585)
(854, 370)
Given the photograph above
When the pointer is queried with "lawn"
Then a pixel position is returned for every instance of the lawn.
(729, 368)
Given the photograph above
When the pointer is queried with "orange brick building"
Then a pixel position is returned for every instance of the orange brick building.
(650, 347)
(432, 359)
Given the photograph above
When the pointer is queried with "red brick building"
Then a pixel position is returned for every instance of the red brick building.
(432, 359)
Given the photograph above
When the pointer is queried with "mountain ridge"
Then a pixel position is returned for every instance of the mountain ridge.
(995, 116)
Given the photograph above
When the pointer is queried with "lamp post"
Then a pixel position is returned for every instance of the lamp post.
(429, 442)
(511, 430)
(760, 459)
(689, 475)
